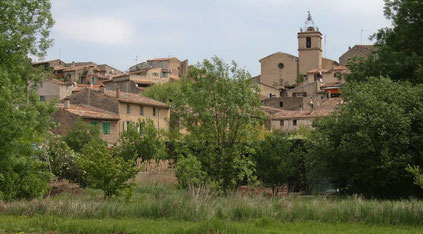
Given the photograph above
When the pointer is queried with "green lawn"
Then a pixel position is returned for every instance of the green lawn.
(140, 225)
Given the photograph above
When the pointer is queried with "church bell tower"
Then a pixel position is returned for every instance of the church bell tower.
(309, 47)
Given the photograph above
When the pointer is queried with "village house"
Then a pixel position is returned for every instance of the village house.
(358, 51)
(290, 120)
(50, 89)
(79, 72)
(171, 68)
(111, 111)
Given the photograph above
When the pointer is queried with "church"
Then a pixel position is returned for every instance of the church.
(281, 70)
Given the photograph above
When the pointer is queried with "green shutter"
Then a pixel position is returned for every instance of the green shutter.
(106, 127)
(94, 123)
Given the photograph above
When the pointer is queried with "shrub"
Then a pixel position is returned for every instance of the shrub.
(104, 171)
(81, 134)
(189, 172)
(142, 141)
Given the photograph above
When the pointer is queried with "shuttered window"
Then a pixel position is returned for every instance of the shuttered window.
(106, 127)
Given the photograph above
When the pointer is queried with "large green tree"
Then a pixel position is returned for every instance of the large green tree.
(24, 32)
(221, 113)
(366, 146)
(399, 54)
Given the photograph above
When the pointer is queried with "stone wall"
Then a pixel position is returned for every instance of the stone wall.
(92, 98)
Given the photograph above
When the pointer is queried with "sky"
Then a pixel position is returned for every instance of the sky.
(121, 33)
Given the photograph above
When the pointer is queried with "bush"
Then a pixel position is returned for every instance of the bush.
(280, 161)
(142, 141)
(62, 161)
(104, 171)
(82, 134)
(189, 171)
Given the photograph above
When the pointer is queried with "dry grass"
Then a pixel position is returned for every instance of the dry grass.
(156, 172)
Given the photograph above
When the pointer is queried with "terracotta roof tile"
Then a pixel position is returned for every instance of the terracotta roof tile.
(85, 111)
(135, 98)
(321, 108)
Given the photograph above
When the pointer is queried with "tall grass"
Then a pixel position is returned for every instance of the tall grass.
(169, 202)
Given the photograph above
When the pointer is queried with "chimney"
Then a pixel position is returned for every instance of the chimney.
(67, 103)
(102, 88)
(117, 93)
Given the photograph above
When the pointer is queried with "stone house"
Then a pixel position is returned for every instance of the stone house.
(290, 120)
(171, 68)
(122, 108)
(50, 89)
(359, 51)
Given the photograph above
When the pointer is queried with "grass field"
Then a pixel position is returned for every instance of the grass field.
(159, 206)
(139, 225)
(167, 209)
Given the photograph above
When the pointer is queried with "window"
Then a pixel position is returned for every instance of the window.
(128, 108)
(106, 127)
(308, 42)
(141, 110)
(281, 66)
(125, 125)
(154, 111)
(281, 104)
(94, 123)
(42, 98)
(155, 74)
(281, 122)
(294, 122)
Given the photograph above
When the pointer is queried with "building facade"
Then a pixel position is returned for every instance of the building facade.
(121, 109)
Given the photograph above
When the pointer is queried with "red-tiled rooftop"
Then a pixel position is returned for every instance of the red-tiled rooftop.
(89, 112)
(135, 98)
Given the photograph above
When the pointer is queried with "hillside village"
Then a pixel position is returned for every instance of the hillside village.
(294, 90)
(308, 143)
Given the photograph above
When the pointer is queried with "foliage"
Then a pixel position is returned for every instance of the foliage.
(62, 161)
(81, 134)
(142, 141)
(418, 175)
(189, 171)
(164, 92)
(299, 79)
(366, 146)
(279, 161)
(24, 31)
(158, 202)
(399, 54)
(222, 115)
(105, 172)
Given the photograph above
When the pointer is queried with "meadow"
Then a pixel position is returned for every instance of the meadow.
(158, 205)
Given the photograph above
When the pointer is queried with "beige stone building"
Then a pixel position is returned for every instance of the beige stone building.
(50, 89)
(113, 108)
(281, 70)
(288, 120)
(171, 68)
(358, 51)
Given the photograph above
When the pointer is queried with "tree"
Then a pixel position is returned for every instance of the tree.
(399, 54)
(104, 171)
(81, 134)
(222, 114)
(366, 146)
(418, 175)
(62, 160)
(24, 31)
(279, 161)
(142, 141)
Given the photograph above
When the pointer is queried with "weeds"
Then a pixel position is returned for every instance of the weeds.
(157, 202)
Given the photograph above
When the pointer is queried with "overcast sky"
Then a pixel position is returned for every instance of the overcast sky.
(116, 32)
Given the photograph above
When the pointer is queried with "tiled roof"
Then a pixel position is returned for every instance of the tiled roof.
(336, 84)
(90, 112)
(315, 71)
(135, 98)
(142, 81)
